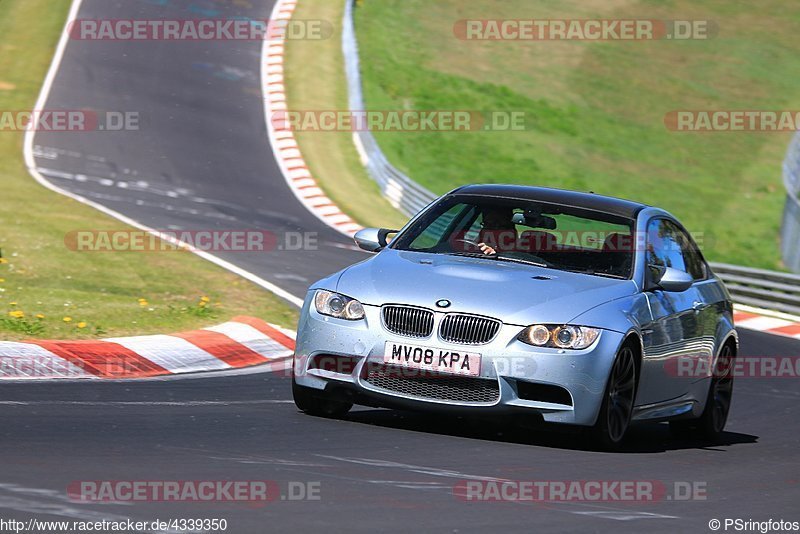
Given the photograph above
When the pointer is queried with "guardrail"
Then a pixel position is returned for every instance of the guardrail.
(761, 288)
(401, 191)
(790, 229)
(754, 287)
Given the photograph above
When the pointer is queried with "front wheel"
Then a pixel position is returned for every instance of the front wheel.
(617, 407)
(316, 402)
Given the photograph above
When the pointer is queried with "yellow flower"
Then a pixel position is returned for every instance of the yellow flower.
(12, 303)
(17, 314)
(81, 325)
(2, 280)
(3, 260)
(205, 299)
(202, 304)
(67, 319)
(143, 303)
(39, 316)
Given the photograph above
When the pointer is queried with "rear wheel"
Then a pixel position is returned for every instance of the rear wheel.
(718, 404)
(617, 408)
(316, 402)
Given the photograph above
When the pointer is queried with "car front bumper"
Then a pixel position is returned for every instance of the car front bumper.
(510, 364)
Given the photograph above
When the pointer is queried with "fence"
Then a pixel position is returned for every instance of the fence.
(761, 288)
(754, 287)
(402, 192)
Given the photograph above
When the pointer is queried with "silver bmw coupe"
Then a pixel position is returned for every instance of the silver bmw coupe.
(572, 307)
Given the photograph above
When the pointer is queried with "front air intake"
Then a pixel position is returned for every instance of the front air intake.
(408, 321)
(468, 329)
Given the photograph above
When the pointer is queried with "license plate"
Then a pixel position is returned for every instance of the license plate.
(429, 359)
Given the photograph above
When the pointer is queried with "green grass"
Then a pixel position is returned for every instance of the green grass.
(99, 292)
(315, 80)
(595, 110)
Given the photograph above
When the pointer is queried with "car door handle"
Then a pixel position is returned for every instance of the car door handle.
(699, 306)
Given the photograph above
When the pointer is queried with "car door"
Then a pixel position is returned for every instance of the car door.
(673, 339)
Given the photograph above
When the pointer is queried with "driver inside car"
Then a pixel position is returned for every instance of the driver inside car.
(498, 232)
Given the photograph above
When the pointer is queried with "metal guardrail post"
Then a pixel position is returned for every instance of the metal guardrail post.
(790, 229)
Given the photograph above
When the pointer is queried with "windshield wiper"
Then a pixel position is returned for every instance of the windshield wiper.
(473, 255)
(595, 273)
(518, 260)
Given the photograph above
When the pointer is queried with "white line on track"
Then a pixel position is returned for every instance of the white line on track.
(30, 162)
(419, 469)
(620, 515)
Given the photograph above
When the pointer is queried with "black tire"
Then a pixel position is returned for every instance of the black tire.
(616, 411)
(711, 424)
(315, 402)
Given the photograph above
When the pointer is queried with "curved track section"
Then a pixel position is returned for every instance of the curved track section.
(201, 160)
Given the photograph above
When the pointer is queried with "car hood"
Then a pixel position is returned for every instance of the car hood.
(514, 293)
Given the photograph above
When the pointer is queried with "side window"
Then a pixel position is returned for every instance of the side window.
(669, 246)
(664, 245)
(691, 256)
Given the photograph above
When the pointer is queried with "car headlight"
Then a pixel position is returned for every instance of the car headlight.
(559, 336)
(339, 306)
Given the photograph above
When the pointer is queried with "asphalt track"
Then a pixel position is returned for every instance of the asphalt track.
(201, 160)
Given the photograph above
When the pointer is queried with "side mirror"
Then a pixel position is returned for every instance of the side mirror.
(373, 239)
(673, 280)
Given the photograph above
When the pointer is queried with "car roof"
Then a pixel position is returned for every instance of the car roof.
(591, 201)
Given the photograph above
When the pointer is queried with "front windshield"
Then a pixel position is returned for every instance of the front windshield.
(525, 231)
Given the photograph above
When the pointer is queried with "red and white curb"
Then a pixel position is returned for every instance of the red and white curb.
(242, 342)
(287, 152)
(766, 321)
(239, 343)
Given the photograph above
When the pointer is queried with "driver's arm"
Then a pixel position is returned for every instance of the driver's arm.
(486, 249)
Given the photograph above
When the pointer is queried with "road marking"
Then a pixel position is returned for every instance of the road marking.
(30, 162)
(625, 516)
(423, 470)
(282, 141)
